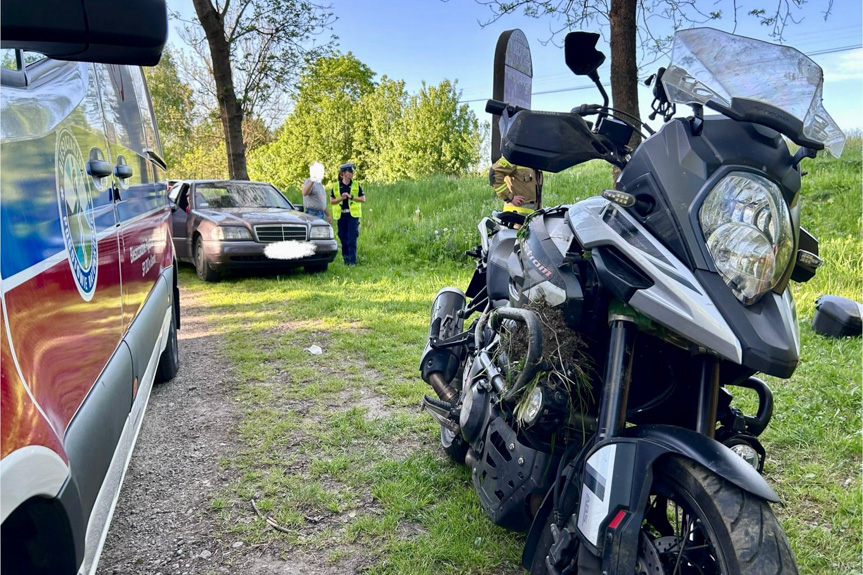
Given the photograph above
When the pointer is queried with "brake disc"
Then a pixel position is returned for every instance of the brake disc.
(648, 556)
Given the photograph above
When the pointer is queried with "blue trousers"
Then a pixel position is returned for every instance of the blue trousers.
(349, 230)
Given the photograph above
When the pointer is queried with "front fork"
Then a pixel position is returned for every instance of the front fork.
(617, 472)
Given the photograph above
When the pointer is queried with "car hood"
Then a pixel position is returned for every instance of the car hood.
(256, 216)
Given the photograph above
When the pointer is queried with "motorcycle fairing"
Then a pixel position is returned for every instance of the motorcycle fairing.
(676, 299)
(671, 169)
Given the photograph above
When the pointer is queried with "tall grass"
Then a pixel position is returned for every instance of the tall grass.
(306, 455)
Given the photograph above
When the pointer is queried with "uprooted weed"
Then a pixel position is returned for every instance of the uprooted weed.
(567, 367)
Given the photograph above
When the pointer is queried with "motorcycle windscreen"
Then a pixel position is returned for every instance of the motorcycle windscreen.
(549, 141)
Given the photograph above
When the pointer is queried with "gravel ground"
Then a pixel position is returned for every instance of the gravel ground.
(163, 523)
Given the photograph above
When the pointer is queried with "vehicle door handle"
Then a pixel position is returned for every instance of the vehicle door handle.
(98, 168)
(123, 171)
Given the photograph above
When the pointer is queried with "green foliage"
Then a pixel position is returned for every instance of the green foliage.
(321, 126)
(435, 135)
(173, 105)
(342, 115)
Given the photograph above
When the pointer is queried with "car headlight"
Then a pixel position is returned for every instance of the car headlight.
(748, 230)
(321, 233)
(223, 233)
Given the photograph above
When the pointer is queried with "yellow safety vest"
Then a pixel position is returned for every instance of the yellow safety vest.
(356, 208)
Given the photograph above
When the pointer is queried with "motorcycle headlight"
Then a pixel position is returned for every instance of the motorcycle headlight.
(223, 233)
(534, 406)
(748, 230)
(321, 233)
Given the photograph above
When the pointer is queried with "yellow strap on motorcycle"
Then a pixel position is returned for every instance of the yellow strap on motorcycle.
(519, 209)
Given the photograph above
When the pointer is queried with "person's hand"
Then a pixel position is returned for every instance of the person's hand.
(329, 219)
(517, 200)
(345, 196)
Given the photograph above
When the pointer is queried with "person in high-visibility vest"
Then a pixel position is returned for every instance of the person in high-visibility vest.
(347, 199)
(520, 188)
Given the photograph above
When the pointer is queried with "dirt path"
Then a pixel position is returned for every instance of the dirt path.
(163, 522)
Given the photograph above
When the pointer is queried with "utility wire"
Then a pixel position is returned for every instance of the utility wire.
(608, 85)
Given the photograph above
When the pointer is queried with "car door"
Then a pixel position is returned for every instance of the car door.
(60, 271)
(140, 202)
(180, 218)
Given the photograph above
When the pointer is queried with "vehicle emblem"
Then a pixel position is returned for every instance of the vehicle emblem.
(76, 214)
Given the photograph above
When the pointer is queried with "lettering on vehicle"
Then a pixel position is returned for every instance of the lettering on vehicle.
(141, 250)
(536, 263)
(76, 214)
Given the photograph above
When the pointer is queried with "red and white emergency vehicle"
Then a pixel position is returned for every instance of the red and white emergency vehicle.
(90, 305)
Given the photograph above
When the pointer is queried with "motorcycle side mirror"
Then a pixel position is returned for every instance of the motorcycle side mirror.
(581, 55)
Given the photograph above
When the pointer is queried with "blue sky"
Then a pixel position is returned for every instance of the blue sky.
(430, 40)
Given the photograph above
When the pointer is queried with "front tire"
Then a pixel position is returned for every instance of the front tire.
(169, 361)
(316, 268)
(202, 267)
(699, 523)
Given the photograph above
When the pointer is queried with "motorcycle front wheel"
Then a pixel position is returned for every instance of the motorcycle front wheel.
(698, 523)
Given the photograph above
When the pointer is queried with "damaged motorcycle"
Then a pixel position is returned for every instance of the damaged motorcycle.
(586, 374)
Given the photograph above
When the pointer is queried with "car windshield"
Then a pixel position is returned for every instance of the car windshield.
(239, 195)
(709, 65)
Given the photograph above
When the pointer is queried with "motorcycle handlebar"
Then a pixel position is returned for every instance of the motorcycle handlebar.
(497, 107)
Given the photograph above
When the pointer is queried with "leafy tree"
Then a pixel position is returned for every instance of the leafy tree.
(376, 130)
(252, 49)
(435, 135)
(322, 124)
(634, 24)
(173, 105)
(341, 115)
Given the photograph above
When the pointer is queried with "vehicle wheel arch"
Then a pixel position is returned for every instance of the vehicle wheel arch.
(38, 537)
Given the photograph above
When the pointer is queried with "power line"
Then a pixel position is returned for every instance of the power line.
(607, 85)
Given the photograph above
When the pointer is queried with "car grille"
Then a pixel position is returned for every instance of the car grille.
(269, 234)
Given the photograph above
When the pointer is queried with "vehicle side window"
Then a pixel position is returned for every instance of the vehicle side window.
(183, 198)
(12, 68)
(148, 123)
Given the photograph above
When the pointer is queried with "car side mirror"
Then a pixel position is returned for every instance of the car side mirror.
(129, 32)
(581, 55)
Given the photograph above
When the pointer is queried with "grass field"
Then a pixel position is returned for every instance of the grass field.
(337, 453)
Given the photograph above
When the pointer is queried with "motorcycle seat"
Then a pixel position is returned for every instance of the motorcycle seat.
(509, 219)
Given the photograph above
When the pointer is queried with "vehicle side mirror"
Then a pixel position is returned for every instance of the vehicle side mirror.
(581, 55)
(129, 32)
(174, 207)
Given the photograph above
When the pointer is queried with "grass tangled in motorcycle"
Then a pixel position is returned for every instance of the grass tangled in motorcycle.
(566, 368)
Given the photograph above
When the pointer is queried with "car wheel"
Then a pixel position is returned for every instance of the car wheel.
(169, 362)
(205, 272)
(316, 268)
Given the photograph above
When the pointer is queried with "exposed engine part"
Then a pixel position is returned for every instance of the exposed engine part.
(474, 413)
(533, 361)
(443, 390)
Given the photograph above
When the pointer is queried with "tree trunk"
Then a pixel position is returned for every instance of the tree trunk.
(624, 67)
(229, 109)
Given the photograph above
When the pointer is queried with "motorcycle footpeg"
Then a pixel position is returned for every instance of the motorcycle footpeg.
(439, 413)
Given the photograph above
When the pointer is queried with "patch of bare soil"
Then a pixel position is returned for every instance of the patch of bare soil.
(164, 523)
